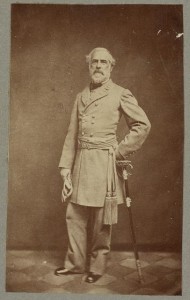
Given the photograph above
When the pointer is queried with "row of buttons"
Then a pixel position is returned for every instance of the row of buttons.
(96, 104)
(92, 122)
(83, 133)
(84, 121)
(83, 115)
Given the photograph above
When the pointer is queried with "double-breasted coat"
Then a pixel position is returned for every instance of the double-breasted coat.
(95, 117)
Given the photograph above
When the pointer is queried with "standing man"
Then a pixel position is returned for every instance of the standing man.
(88, 161)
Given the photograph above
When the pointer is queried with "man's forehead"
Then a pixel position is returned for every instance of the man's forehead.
(101, 54)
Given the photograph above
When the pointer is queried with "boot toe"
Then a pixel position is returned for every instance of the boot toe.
(92, 277)
(62, 271)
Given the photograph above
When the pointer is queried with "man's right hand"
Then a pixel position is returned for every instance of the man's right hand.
(65, 173)
(118, 155)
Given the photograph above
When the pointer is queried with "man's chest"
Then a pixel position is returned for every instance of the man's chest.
(102, 106)
(97, 115)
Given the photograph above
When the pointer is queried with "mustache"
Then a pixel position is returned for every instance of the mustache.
(98, 71)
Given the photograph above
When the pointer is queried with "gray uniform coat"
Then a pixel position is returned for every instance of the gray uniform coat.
(95, 116)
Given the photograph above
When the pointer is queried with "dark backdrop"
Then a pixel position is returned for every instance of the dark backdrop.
(48, 69)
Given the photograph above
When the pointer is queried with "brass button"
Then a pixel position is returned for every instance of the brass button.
(83, 133)
(91, 134)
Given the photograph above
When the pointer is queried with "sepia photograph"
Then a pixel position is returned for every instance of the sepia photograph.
(96, 149)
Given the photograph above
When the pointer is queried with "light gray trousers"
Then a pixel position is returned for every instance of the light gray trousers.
(78, 217)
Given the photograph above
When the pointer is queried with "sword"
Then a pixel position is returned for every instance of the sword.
(124, 165)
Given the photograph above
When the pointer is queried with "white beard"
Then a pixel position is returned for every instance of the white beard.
(98, 78)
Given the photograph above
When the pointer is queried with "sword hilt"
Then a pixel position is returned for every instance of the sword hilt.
(126, 166)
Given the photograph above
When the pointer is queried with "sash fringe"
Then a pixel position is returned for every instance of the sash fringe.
(110, 210)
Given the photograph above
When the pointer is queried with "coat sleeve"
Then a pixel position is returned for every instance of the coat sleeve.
(138, 123)
(70, 144)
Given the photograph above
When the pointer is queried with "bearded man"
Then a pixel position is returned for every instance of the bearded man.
(88, 160)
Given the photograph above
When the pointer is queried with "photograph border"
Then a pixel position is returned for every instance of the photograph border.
(5, 46)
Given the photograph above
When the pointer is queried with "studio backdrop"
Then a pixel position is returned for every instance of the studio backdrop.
(48, 69)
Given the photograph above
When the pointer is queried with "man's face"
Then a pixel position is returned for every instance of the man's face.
(100, 67)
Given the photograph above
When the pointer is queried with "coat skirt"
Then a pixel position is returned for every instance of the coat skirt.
(90, 178)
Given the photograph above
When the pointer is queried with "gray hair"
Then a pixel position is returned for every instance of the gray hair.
(111, 58)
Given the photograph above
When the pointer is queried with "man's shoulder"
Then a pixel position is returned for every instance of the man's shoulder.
(124, 94)
(125, 89)
(121, 89)
(84, 90)
(117, 87)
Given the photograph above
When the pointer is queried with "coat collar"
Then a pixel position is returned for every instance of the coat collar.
(88, 96)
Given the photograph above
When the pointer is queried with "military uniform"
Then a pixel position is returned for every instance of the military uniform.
(94, 119)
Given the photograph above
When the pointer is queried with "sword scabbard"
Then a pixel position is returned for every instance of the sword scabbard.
(125, 174)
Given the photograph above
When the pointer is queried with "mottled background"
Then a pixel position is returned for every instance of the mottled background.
(48, 69)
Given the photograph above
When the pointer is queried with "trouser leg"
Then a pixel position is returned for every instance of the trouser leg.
(77, 219)
(100, 241)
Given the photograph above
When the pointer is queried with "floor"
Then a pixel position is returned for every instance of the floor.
(33, 271)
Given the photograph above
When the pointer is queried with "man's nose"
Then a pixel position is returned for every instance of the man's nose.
(98, 64)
